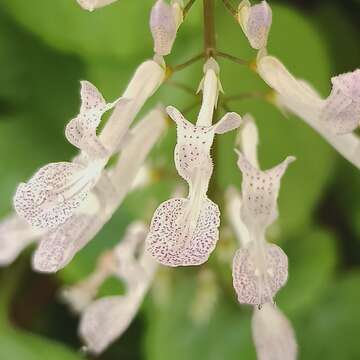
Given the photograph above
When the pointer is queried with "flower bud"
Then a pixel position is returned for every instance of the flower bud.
(91, 5)
(256, 22)
(165, 20)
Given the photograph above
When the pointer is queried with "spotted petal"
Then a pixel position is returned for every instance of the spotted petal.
(259, 271)
(52, 195)
(172, 242)
(341, 112)
(260, 190)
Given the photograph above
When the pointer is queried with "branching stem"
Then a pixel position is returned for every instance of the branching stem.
(230, 8)
(188, 7)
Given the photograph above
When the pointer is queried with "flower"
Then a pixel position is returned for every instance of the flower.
(333, 118)
(183, 231)
(273, 334)
(259, 268)
(58, 246)
(165, 20)
(91, 5)
(54, 193)
(105, 319)
(255, 21)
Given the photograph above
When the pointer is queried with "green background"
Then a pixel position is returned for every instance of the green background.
(47, 46)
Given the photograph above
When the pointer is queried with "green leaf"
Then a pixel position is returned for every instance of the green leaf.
(312, 260)
(329, 331)
(120, 30)
(172, 331)
(17, 344)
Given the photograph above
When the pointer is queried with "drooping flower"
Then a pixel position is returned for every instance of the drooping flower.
(259, 268)
(255, 21)
(273, 334)
(58, 246)
(92, 5)
(54, 193)
(185, 231)
(333, 118)
(105, 319)
(165, 20)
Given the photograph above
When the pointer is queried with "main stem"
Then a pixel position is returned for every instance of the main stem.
(209, 28)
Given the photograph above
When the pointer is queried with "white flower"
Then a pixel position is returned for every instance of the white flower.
(91, 5)
(259, 268)
(58, 246)
(165, 20)
(273, 334)
(256, 22)
(185, 231)
(105, 319)
(54, 193)
(333, 118)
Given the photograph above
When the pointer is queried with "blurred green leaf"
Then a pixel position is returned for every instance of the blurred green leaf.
(330, 330)
(173, 333)
(16, 344)
(312, 260)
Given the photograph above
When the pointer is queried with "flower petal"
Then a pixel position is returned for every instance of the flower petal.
(169, 240)
(259, 271)
(192, 151)
(52, 195)
(273, 334)
(15, 235)
(58, 247)
(228, 122)
(260, 190)
(248, 140)
(341, 112)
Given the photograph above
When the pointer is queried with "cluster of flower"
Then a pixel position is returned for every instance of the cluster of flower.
(65, 204)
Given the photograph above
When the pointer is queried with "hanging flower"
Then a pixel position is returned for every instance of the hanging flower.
(58, 246)
(185, 231)
(105, 319)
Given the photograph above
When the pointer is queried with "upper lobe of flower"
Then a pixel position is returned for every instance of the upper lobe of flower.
(341, 112)
(260, 190)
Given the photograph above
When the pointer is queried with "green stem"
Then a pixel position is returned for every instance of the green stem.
(209, 28)
(188, 7)
(230, 8)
